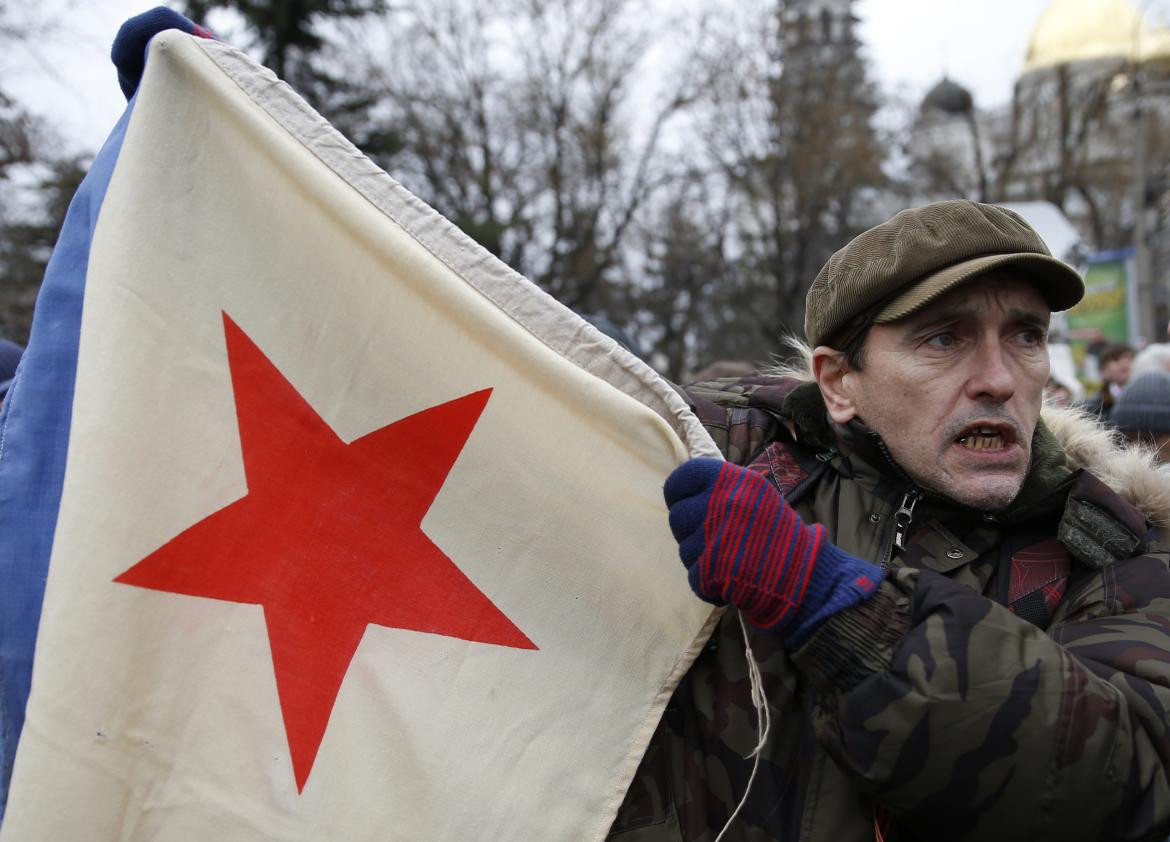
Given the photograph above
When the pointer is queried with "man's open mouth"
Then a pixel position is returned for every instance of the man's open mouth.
(983, 438)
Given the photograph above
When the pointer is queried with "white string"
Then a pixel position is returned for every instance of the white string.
(763, 718)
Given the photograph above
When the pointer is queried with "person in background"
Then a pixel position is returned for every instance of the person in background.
(1155, 357)
(1116, 363)
(1142, 412)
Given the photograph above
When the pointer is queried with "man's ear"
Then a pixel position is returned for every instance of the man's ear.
(834, 376)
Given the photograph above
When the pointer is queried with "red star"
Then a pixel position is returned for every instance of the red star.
(328, 539)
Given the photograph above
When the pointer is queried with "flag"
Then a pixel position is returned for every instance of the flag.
(335, 527)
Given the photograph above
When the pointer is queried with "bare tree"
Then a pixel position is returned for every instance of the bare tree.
(27, 240)
(525, 124)
(36, 184)
(304, 42)
(1068, 143)
(789, 125)
(19, 130)
(694, 300)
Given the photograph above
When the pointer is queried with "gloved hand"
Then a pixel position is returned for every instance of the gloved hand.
(743, 544)
(129, 50)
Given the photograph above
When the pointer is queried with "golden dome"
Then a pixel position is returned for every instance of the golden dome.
(1079, 30)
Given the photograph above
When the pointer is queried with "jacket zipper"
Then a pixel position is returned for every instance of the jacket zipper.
(902, 520)
(904, 516)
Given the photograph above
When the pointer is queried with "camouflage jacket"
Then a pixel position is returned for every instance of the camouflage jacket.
(1009, 680)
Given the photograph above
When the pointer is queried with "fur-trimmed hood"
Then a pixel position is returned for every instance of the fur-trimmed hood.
(1129, 470)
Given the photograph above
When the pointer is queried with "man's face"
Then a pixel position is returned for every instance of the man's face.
(1118, 370)
(955, 389)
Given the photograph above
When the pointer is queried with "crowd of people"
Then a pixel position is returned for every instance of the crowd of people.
(1135, 395)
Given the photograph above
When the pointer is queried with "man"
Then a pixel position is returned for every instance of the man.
(960, 635)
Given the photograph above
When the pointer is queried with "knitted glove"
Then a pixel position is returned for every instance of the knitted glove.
(129, 50)
(743, 544)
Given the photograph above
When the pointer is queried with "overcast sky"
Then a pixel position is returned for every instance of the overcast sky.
(980, 43)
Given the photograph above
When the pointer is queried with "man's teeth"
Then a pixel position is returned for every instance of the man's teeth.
(982, 440)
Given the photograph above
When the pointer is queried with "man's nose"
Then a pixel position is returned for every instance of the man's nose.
(993, 376)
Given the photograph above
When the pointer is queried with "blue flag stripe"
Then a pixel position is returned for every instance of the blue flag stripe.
(34, 437)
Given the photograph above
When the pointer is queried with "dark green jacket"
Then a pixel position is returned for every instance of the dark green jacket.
(1009, 680)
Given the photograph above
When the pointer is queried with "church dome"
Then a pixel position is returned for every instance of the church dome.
(1081, 30)
(948, 97)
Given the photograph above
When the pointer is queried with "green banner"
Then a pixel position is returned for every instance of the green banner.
(1102, 313)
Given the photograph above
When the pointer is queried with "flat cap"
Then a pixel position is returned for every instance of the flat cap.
(900, 266)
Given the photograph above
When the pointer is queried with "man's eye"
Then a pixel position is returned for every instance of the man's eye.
(1032, 336)
(942, 340)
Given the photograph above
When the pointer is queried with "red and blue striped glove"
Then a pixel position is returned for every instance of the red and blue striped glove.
(743, 544)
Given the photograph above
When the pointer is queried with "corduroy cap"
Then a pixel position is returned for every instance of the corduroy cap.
(900, 266)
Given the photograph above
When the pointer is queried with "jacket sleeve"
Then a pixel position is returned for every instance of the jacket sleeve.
(965, 721)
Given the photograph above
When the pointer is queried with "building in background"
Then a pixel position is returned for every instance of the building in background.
(1087, 130)
(950, 145)
(822, 25)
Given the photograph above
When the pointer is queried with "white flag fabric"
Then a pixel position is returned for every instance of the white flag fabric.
(360, 535)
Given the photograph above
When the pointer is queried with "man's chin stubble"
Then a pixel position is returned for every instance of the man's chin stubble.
(984, 500)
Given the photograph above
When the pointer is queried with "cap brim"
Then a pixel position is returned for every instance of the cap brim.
(1060, 284)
